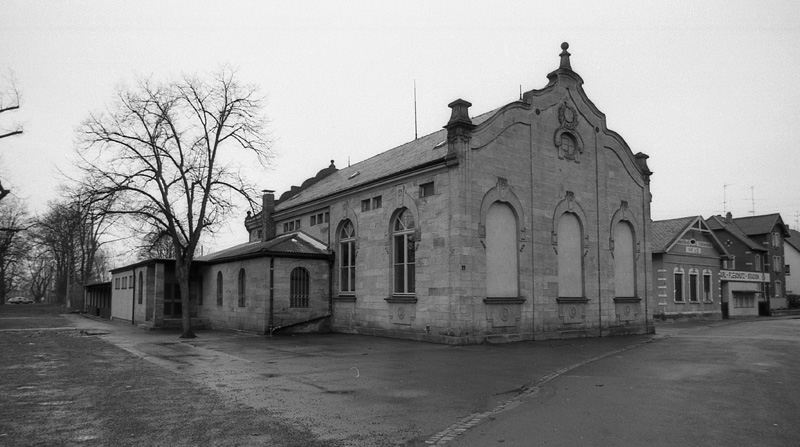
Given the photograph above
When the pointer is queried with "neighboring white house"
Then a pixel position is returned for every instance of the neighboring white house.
(791, 263)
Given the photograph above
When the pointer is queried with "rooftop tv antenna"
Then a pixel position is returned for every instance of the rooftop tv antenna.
(415, 109)
(725, 198)
(752, 201)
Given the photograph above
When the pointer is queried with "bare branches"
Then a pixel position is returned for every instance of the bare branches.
(10, 99)
(165, 153)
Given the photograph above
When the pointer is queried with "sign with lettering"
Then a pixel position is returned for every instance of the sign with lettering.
(695, 250)
(732, 275)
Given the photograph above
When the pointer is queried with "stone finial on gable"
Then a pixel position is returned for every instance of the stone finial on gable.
(460, 125)
(565, 57)
(460, 112)
(459, 129)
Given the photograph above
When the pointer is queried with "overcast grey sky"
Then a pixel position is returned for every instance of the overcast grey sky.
(707, 89)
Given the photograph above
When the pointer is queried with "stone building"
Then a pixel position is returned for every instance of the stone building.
(686, 268)
(530, 221)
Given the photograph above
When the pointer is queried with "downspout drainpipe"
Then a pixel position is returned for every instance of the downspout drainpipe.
(330, 285)
(599, 253)
(271, 292)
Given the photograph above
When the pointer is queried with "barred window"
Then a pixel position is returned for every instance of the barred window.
(298, 288)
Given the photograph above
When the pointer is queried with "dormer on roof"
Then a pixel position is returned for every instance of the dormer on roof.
(308, 182)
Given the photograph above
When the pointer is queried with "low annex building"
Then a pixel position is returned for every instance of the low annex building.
(530, 221)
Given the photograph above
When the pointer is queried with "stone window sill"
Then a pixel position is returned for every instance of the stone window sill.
(504, 300)
(409, 299)
(572, 300)
(627, 299)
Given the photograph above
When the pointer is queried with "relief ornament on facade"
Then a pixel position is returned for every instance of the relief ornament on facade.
(566, 139)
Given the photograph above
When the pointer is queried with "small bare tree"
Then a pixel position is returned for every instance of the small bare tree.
(167, 152)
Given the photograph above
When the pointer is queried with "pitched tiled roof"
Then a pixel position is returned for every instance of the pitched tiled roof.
(718, 223)
(665, 232)
(764, 224)
(794, 239)
(408, 156)
(296, 243)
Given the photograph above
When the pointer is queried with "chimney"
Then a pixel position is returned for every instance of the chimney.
(267, 209)
(459, 128)
(729, 217)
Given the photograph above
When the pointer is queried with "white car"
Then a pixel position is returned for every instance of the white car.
(20, 300)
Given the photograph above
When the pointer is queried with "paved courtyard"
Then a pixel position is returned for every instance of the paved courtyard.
(701, 383)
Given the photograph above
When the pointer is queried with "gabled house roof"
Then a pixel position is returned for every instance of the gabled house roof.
(415, 154)
(794, 239)
(719, 223)
(756, 225)
(665, 233)
(295, 244)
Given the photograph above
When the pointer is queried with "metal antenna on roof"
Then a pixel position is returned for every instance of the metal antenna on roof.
(725, 198)
(415, 109)
(752, 201)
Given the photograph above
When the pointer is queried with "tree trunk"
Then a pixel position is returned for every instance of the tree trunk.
(182, 273)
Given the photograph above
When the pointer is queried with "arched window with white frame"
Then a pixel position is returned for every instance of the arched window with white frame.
(347, 258)
(404, 253)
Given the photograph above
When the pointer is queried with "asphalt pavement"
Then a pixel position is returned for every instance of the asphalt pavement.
(364, 390)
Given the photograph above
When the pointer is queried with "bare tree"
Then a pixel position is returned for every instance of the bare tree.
(156, 246)
(9, 102)
(40, 271)
(168, 153)
(72, 231)
(14, 245)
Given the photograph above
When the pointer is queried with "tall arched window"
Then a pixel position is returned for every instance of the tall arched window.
(241, 288)
(502, 263)
(347, 258)
(219, 288)
(570, 257)
(624, 266)
(403, 247)
(298, 288)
